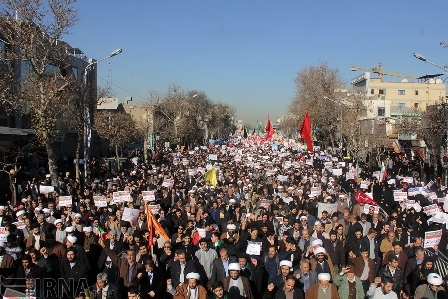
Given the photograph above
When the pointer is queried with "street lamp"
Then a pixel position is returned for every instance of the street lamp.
(423, 58)
(87, 116)
(442, 158)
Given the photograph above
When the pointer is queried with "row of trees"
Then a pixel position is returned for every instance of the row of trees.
(188, 118)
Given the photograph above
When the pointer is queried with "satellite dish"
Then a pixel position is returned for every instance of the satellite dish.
(431, 81)
(439, 81)
(404, 81)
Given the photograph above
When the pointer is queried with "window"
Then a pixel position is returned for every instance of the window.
(416, 105)
(416, 92)
(372, 91)
(382, 91)
(381, 111)
(401, 92)
(401, 105)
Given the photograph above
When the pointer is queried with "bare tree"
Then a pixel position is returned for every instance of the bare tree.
(33, 31)
(119, 129)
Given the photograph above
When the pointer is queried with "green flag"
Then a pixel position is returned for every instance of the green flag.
(259, 127)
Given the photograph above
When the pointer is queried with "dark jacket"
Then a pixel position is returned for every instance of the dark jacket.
(218, 271)
(397, 278)
(77, 274)
(336, 252)
(113, 292)
(158, 285)
(176, 271)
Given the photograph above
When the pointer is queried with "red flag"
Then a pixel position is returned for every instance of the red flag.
(305, 132)
(269, 129)
(196, 238)
(364, 198)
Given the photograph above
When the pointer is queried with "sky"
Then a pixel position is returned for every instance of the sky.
(246, 53)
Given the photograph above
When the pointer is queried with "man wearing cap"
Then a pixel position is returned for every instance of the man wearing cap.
(324, 289)
(189, 290)
(285, 270)
(349, 286)
(431, 289)
(236, 284)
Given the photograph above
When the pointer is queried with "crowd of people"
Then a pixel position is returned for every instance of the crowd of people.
(233, 221)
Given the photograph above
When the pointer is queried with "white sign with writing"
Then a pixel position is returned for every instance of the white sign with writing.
(149, 195)
(65, 201)
(253, 248)
(130, 214)
(432, 238)
(100, 201)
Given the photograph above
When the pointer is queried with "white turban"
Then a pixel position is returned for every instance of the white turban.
(303, 217)
(78, 215)
(435, 279)
(70, 229)
(72, 239)
(324, 276)
(234, 266)
(319, 250)
(286, 263)
(87, 229)
(58, 221)
(231, 226)
(46, 210)
(20, 213)
(317, 242)
(193, 275)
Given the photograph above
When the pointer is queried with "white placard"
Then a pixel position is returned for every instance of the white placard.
(2, 234)
(253, 248)
(409, 180)
(364, 185)
(213, 157)
(400, 196)
(130, 214)
(432, 238)
(65, 201)
(367, 209)
(149, 195)
(46, 189)
(315, 191)
(337, 171)
(117, 197)
(329, 207)
(409, 204)
(100, 201)
(282, 178)
(154, 208)
(168, 183)
(125, 195)
(431, 209)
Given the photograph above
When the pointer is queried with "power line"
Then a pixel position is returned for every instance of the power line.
(129, 92)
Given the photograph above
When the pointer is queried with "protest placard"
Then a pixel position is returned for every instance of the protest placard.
(130, 214)
(329, 207)
(192, 172)
(337, 171)
(100, 201)
(376, 174)
(65, 201)
(19, 225)
(408, 204)
(413, 191)
(46, 189)
(167, 183)
(400, 195)
(265, 203)
(409, 180)
(366, 210)
(431, 209)
(154, 208)
(364, 185)
(149, 195)
(253, 248)
(116, 196)
(315, 191)
(125, 195)
(432, 238)
(350, 175)
(213, 157)
(2, 234)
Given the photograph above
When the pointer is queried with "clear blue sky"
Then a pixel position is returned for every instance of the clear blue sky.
(248, 52)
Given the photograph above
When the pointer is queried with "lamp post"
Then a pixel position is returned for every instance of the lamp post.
(443, 159)
(88, 114)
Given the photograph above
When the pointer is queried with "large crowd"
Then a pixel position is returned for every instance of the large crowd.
(232, 221)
